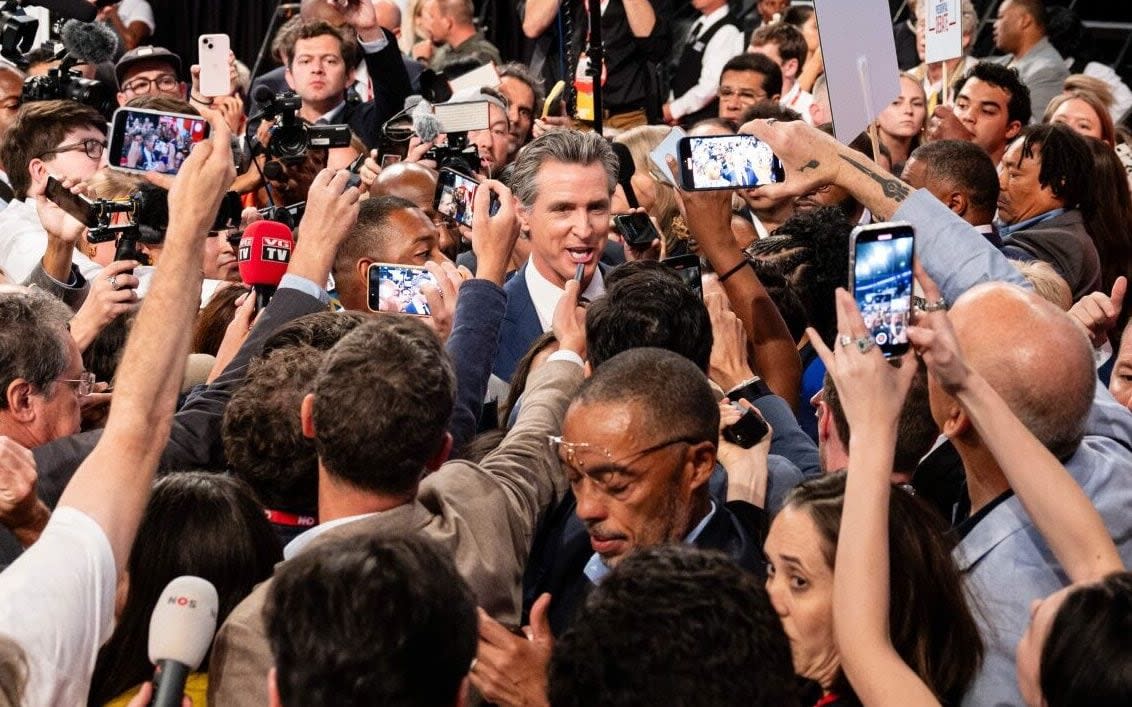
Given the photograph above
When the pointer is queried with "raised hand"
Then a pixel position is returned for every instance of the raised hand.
(510, 670)
(113, 292)
(493, 237)
(1098, 313)
(569, 322)
(934, 340)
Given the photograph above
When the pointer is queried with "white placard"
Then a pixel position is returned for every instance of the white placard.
(943, 31)
(859, 52)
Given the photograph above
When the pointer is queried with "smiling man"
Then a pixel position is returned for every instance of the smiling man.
(563, 182)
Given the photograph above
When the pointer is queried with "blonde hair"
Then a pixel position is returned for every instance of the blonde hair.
(13, 673)
(1091, 99)
(1047, 283)
(640, 141)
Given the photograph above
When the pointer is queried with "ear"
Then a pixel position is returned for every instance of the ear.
(524, 215)
(957, 202)
(701, 462)
(1013, 128)
(361, 272)
(442, 453)
(826, 429)
(122, 98)
(790, 68)
(776, 97)
(273, 689)
(38, 172)
(306, 416)
(288, 77)
(18, 395)
(957, 423)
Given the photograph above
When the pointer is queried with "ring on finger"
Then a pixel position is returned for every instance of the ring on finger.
(113, 280)
(844, 340)
(864, 343)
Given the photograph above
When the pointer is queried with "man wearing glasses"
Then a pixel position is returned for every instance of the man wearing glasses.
(63, 139)
(746, 80)
(149, 71)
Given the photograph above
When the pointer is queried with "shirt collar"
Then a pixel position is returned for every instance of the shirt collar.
(1005, 230)
(545, 294)
(300, 542)
(329, 116)
(596, 569)
(711, 18)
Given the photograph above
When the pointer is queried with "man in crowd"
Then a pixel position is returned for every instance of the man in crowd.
(452, 35)
(712, 40)
(11, 86)
(962, 176)
(784, 45)
(524, 93)
(1043, 179)
(564, 181)
(1020, 32)
(991, 106)
(149, 70)
(746, 80)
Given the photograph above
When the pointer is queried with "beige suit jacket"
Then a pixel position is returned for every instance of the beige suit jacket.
(483, 514)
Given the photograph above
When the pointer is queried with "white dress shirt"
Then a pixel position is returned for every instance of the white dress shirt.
(721, 48)
(545, 294)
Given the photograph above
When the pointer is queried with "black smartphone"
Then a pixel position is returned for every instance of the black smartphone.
(880, 265)
(143, 140)
(636, 229)
(76, 205)
(727, 162)
(397, 288)
(748, 430)
(688, 268)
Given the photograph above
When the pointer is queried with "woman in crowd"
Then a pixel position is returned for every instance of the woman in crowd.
(901, 124)
(1085, 112)
(206, 525)
(1071, 633)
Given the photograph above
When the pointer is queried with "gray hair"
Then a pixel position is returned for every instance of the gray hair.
(32, 344)
(568, 146)
(522, 72)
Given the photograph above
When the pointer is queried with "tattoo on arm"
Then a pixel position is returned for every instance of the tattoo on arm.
(893, 188)
(812, 164)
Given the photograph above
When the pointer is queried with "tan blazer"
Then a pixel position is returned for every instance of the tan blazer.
(484, 515)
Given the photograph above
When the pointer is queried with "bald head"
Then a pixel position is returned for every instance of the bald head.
(311, 10)
(408, 180)
(1033, 355)
(388, 15)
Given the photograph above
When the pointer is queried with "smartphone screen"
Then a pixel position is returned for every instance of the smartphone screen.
(727, 162)
(454, 195)
(397, 288)
(688, 268)
(153, 141)
(882, 282)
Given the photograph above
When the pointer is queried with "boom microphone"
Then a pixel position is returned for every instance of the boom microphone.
(90, 43)
(80, 10)
(263, 255)
(180, 632)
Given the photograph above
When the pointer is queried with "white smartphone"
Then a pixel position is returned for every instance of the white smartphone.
(667, 147)
(213, 59)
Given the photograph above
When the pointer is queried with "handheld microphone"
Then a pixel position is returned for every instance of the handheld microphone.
(89, 43)
(180, 633)
(625, 171)
(80, 10)
(263, 255)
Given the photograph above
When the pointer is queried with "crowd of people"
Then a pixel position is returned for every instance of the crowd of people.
(475, 445)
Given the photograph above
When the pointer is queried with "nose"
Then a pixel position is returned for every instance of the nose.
(591, 508)
(775, 594)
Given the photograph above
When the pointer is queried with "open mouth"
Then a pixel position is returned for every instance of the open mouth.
(581, 256)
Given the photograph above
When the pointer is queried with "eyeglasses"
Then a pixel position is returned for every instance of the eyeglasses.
(92, 147)
(568, 451)
(728, 92)
(83, 385)
(167, 83)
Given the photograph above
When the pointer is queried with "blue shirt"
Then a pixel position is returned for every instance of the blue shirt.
(1004, 230)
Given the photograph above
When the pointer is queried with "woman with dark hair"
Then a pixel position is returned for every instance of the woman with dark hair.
(1107, 209)
(1075, 650)
(206, 525)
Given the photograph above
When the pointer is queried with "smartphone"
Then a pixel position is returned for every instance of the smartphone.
(77, 205)
(748, 430)
(667, 146)
(636, 229)
(688, 268)
(727, 162)
(143, 140)
(455, 194)
(880, 265)
(397, 288)
(212, 53)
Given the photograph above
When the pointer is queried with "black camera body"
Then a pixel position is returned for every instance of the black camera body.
(64, 84)
(457, 155)
(292, 137)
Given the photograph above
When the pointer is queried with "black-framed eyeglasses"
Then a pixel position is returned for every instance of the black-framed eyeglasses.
(165, 82)
(91, 146)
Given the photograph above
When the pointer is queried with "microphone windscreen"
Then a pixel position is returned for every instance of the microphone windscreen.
(426, 126)
(80, 10)
(183, 622)
(263, 95)
(90, 42)
(265, 250)
(412, 102)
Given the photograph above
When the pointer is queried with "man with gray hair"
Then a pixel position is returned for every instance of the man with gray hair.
(563, 182)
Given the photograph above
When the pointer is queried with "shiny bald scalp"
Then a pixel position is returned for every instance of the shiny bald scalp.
(1034, 356)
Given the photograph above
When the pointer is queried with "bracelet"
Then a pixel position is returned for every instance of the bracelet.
(201, 100)
(741, 264)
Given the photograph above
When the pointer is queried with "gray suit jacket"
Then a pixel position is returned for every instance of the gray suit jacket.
(72, 295)
(483, 514)
(1063, 242)
(1043, 71)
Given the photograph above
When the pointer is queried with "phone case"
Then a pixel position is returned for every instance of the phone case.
(213, 55)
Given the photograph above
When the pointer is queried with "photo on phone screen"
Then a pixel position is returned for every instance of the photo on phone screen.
(688, 268)
(882, 282)
(455, 193)
(727, 162)
(397, 288)
(153, 141)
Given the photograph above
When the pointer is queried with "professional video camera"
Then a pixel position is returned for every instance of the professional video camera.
(290, 136)
(455, 121)
(82, 43)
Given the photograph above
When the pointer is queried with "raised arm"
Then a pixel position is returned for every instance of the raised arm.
(1053, 500)
(112, 485)
(537, 16)
(873, 393)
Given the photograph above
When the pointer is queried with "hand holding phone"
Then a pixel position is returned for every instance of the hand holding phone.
(397, 289)
(688, 268)
(143, 140)
(727, 162)
(880, 268)
(636, 229)
(212, 53)
(749, 430)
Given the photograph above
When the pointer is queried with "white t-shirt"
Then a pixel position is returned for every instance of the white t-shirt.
(136, 11)
(57, 604)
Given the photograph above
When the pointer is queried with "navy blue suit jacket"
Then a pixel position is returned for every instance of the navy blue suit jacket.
(520, 326)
